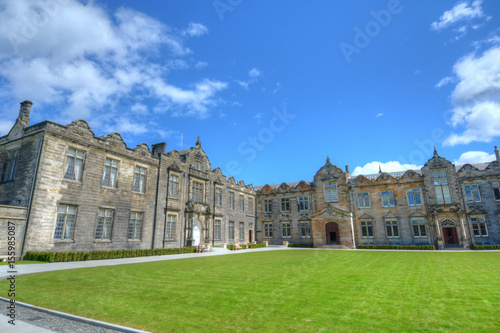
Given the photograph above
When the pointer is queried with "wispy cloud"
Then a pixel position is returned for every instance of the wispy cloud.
(378, 115)
(462, 11)
(444, 81)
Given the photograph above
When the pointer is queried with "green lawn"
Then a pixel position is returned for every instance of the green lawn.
(284, 291)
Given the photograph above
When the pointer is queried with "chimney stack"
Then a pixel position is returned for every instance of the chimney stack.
(24, 113)
(497, 154)
(347, 169)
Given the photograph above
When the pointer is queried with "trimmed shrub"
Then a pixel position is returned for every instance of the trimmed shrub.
(396, 247)
(255, 246)
(300, 245)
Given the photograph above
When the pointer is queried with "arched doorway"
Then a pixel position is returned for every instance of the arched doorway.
(332, 233)
(196, 233)
(450, 236)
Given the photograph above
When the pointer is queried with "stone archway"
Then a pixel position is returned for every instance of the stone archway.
(332, 233)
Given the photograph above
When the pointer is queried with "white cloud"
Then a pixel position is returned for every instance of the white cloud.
(139, 109)
(444, 81)
(5, 126)
(254, 73)
(378, 115)
(476, 98)
(461, 12)
(243, 84)
(80, 59)
(472, 157)
(201, 64)
(392, 166)
(195, 30)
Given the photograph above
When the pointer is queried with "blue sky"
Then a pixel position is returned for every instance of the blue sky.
(271, 87)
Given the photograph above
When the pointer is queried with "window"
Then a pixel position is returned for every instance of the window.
(173, 186)
(231, 230)
(104, 222)
(197, 192)
(139, 179)
(479, 228)
(74, 165)
(231, 200)
(197, 165)
(250, 205)
(366, 229)
(268, 206)
(9, 165)
(303, 204)
(242, 203)
(414, 197)
(496, 191)
(388, 199)
(363, 200)
(441, 187)
(392, 229)
(419, 228)
(331, 192)
(285, 204)
(242, 231)
(170, 231)
(110, 173)
(268, 230)
(286, 229)
(135, 226)
(217, 233)
(305, 230)
(65, 223)
(472, 193)
(218, 196)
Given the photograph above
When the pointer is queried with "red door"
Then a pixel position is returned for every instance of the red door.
(450, 236)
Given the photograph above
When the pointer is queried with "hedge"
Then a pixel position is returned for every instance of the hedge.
(299, 245)
(397, 247)
(230, 247)
(99, 255)
(486, 247)
(256, 246)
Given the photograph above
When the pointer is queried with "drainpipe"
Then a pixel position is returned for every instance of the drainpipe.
(166, 207)
(32, 192)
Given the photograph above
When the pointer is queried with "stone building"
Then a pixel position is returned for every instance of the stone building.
(65, 189)
(441, 204)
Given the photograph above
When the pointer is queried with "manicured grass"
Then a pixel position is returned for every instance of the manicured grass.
(284, 291)
(24, 262)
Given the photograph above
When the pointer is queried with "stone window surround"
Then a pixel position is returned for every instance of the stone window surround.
(367, 223)
(145, 179)
(393, 224)
(178, 175)
(479, 221)
(84, 151)
(419, 225)
(136, 240)
(62, 240)
(111, 167)
(167, 228)
(103, 240)
(472, 193)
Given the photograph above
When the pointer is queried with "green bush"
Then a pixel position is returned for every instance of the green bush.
(255, 246)
(486, 247)
(396, 247)
(100, 255)
(300, 245)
